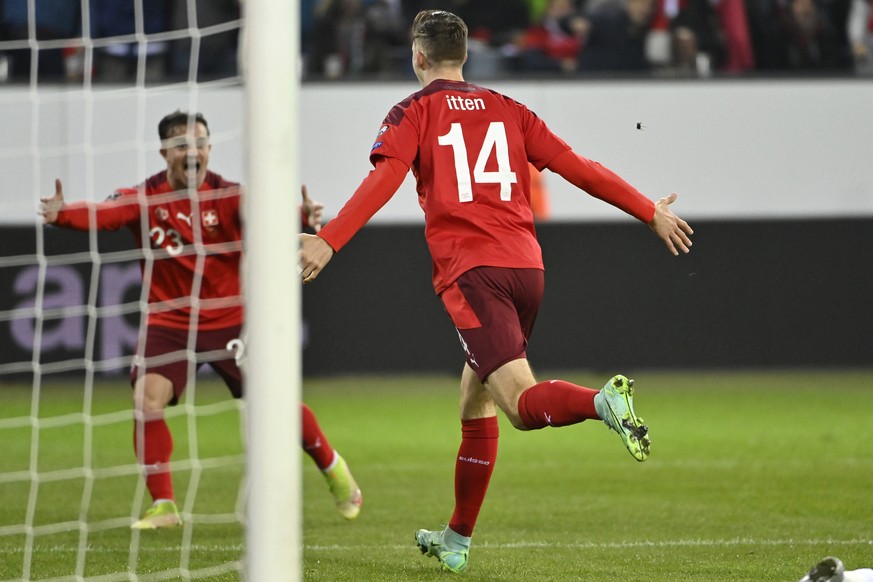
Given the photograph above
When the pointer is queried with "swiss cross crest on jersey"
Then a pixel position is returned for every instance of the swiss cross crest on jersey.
(209, 218)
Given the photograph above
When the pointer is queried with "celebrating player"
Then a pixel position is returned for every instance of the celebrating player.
(187, 221)
(469, 149)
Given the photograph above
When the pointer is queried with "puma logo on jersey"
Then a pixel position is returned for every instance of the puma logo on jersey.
(467, 349)
(184, 217)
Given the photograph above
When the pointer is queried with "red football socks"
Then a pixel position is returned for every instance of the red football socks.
(473, 469)
(155, 458)
(556, 403)
(315, 443)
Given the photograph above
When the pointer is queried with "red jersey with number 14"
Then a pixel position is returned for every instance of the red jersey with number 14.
(196, 246)
(469, 149)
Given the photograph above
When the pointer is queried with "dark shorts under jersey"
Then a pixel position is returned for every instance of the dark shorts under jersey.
(165, 354)
(494, 310)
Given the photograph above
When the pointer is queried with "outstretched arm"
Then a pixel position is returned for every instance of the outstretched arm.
(608, 186)
(670, 228)
(83, 215)
(376, 189)
(315, 254)
(50, 206)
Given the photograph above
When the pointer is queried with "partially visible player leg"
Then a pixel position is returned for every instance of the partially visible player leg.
(151, 394)
(473, 468)
(829, 569)
(477, 453)
(315, 442)
(495, 311)
(342, 484)
(556, 403)
(154, 388)
(560, 403)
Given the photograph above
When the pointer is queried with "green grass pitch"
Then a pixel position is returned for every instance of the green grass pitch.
(753, 477)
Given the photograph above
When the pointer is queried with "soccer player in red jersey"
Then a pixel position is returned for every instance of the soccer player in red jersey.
(469, 149)
(187, 221)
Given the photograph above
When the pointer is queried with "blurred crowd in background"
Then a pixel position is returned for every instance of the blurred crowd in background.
(367, 39)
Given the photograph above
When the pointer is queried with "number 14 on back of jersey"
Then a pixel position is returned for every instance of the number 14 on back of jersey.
(495, 140)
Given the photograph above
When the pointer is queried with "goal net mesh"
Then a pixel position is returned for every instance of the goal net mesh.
(82, 88)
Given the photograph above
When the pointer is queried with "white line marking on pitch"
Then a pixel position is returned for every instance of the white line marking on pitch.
(486, 545)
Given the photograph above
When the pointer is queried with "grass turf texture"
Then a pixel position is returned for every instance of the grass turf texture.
(753, 477)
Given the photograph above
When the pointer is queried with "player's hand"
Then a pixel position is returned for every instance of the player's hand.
(314, 255)
(670, 228)
(313, 210)
(49, 207)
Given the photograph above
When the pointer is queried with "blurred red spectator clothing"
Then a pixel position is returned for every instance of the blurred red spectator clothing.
(552, 42)
(665, 11)
(481, 33)
(739, 54)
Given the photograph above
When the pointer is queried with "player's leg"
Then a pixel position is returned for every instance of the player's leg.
(482, 308)
(561, 403)
(533, 405)
(342, 485)
(315, 442)
(477, 453)
(473, 468)
(495, 311)
(153, 445)
(155, 387)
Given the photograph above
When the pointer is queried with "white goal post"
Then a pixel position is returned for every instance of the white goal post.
(272, 290)
(69, 316)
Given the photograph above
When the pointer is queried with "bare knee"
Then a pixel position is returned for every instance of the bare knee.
(508, 403)
(475, 400)
(151, 394)
(510, 409)
(516, 422)
(506, 384)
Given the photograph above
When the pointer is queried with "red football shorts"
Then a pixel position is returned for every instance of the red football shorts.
(165, 354)
(494, 310)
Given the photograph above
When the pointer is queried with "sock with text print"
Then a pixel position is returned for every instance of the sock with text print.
(475, 463)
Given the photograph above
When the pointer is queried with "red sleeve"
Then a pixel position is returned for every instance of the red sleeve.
(602, 183)
(540, 143)
(110, 215)
(376, 190)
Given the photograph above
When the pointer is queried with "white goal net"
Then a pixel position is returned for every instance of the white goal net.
(82, 89)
